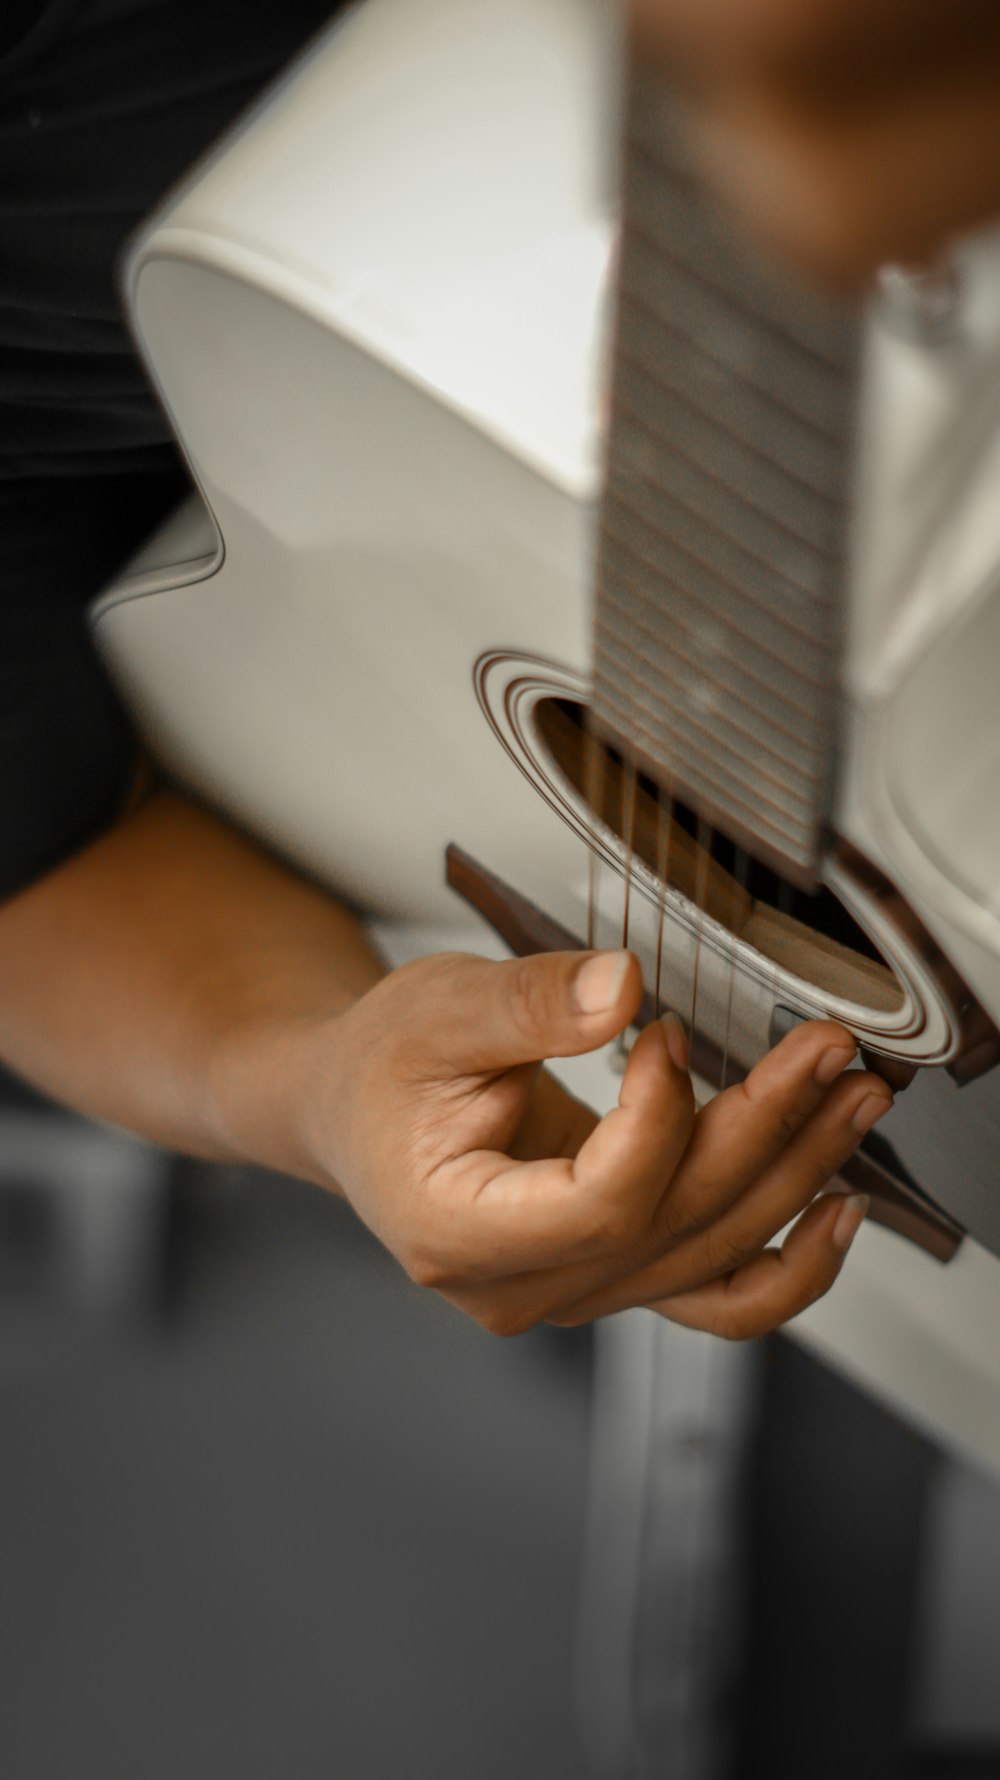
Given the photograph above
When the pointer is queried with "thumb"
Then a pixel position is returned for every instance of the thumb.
(551, 1004)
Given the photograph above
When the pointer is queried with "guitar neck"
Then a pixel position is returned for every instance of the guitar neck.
(723, 529)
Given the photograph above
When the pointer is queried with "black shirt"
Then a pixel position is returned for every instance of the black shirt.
(103, 105)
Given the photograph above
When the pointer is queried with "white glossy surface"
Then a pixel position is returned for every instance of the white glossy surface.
(435, 181)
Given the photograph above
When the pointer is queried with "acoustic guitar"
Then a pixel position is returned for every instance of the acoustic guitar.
(551, 547)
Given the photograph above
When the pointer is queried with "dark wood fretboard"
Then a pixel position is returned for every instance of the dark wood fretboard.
(722, 536)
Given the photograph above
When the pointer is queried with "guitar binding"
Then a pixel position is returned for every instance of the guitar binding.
(854, 952)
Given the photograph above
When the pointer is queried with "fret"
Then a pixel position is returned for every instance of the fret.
(722, 535)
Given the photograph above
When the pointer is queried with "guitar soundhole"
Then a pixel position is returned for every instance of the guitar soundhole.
(812, 935)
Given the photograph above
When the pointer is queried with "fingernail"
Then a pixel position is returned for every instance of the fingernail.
(676, 1042)
(597, 983)
(832, 1063)
(872, 1107)
(850, 1218)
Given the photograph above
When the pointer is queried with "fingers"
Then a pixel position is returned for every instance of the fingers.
(806, 1165)
(554, 1004)
(585, 1216)
(743, 1129)
(649, 1126)
(622, 1223)
(779, 1284)
(494, 1216)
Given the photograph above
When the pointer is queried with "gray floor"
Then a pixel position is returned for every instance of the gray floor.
(309, 1522)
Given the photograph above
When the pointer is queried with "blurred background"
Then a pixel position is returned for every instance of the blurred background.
(266, 1509)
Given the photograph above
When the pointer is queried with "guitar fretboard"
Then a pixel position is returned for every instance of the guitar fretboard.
(721, 551)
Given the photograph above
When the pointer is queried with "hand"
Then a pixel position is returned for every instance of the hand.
(848, 132)
(425, 1102)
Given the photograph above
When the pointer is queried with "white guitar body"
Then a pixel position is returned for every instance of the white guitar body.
(378, 317)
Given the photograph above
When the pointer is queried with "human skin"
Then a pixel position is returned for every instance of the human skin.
(174, 979)
(845, 132)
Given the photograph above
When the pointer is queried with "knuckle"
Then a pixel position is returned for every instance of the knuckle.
(725, 1249)
(816, 1291)
(749, 1091)
(674, 1220)
(816, 1286)
(742, 1325)
(763, 1322)
(506, 1321)
(753, 1324)
(570, 1318)
(787, 1117)
(790, 1121)
(428, 1271)
(530, 1000)
(617, 1225)
(670, 1122)
(816, 1173)
(713, 1322)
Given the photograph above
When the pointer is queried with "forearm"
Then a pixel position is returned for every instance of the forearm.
(174, 979)
(158, 981)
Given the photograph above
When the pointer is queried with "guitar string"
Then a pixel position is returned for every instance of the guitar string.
(702, 857)
(628, 789)
(663, 817)
(655, 857)
(591, 787)
(629, 758)
(776, 995)
(741, 868)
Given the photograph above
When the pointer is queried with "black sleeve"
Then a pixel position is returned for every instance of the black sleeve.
(67, 749)
(104, 104)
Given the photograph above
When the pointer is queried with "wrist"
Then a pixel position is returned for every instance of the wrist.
(267, 1080)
